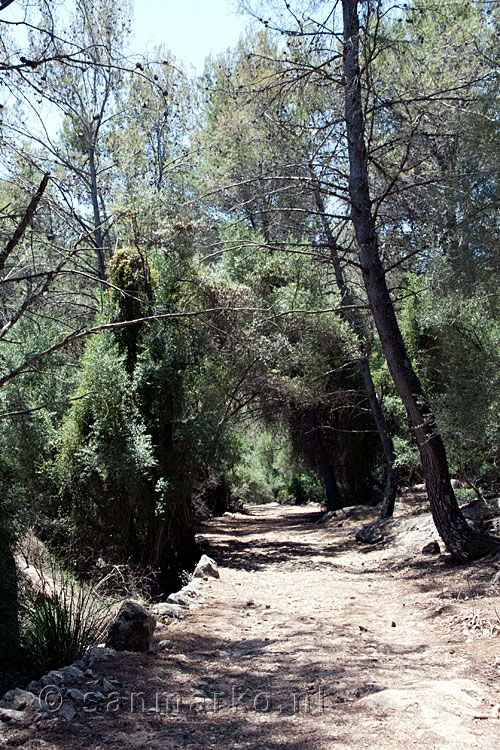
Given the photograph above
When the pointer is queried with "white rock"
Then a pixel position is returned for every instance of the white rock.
(168, 609)
(9, 714)
(184, 600)
(18, 699)
(495, 581)
(206, 567)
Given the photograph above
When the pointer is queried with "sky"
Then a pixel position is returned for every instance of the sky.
(190, 29)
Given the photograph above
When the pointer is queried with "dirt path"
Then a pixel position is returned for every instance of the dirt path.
(301, 625)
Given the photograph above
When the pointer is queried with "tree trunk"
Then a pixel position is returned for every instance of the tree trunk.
(349, 314)
(320, 457)
(94, 191)
(462, 542)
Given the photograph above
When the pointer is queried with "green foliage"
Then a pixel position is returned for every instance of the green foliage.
(305, 488)
(265, 464)
(453, 338)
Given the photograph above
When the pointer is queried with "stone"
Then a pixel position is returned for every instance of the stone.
(370, 533)
(494, 526)
(432, 548)
(56, 677)
(107, 685)
(168, 609)
(444, 706)
(193, 588)
(66, 711)
(10, 714)
(76, 695)
(495, 581)
(18, 699)
(184, 600)
(492, 507)
(447, 594)
(206, 567)
(95, 655)
(71, 674)
(325, 517)
(473, 511)
(164, 645)
(132, 629)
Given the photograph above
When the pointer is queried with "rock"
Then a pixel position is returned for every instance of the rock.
(325, 517)
(445, 707)
(447, 594)
(184, 600)
(107, 685)
(193, 588)
(132, 629)
(456, 484)
(492, 507)
(432, 548)
(206, 567)
(18, 699)
(473, 511)
(164, 645)
(76, 695)
(71, 674)
(168, 609)
(9, 714)
(56, 677)
(95, 655)
(66, 711)
(493, 526)
(370, 533)
(495, 581)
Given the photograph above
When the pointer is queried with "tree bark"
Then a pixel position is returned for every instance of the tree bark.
(462, 542)
(349, 314)
(320, 457)
(94, 193)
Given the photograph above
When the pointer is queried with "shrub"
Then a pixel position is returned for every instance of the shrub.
(60, 623)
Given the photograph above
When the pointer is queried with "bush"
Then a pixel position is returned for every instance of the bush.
(305, 488)
(60, 619)
(60, 624)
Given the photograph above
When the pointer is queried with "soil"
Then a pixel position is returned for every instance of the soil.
(303, 624)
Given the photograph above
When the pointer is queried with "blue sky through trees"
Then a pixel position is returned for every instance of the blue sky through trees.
(190, 29)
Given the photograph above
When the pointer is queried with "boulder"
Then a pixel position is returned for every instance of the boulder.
(370, 533)
(206, 568)
(18, 700)
(132, 629)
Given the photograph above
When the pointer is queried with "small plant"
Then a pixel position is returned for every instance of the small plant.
(60, 622)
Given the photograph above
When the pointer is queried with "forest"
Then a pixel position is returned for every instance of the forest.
(276, 281)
